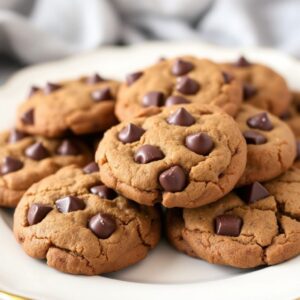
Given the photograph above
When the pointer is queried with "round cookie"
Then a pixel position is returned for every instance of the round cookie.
(270, 144)
(81, 227)
(262, 86)
(177, 81)
(26, 159)
(79, 106)
(253, 226)
(185, 156)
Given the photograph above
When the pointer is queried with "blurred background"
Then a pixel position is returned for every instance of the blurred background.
(34, 31)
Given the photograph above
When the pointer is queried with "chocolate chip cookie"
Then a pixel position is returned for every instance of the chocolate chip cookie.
(177, 81)
(270, 144)
(82, 227)
(253, 226)
(184, 156)
(79, 106)
(26, 159)
(262, 86)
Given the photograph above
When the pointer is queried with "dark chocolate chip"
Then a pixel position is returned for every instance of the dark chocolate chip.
(298, 150)
(37, 151)
(28, 117)
(33, 90)
(181, 117)
(103, 192)
(228, 225)
(148, 153)
(248, 91)
(227, 77)
(187, 86)
(201, 143)
(93, 79)
(51, 87)
(69, 203)
(37, 212)
(153, 99)
(131, 78)
(101, 95)
(254, 138)
(102, 225)
(131, 133)
(242, 62)
(91, 168)
(68, 147)
(173, 179)
(286, 115)
(260, 121)
(173, 100)
(16, 135)
(252, 192)
(181, 67)
(10, 164)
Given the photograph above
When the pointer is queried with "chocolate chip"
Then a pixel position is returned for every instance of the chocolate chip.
(93, 79)
(181, 67)
(28, 117)
(148, 153)
(201, 143)
(101, 95)
(173, 179)
(10, 164)
(69, 203)
(37, 151)
(260, 121)
(187, 86)
(153, 99)
(51, 87)
(37, 212)
(242, 62)
(181, 117)
(228, 225)
(16, 135)
(103, 192)
(33, 90)
(285, 116)
(131, 78)
(68, 147)
(102, 225)
(248, 91)
(91, 168)
(227, 77)
(173, 100)
(297, 150)
(131, 133)
(254, 138)
(252, 192)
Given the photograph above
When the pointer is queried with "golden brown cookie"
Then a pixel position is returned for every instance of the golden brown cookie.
(177, 81)
(271, 144)
(26, 159)
(262, 86)
(79, 106)
(253, 226)
(82, 227)
(184, 156)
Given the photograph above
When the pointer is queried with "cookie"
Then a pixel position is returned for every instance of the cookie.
(79, 106)
(82, 227)
(177, 81)
(184, 156)
(26, 159)
(262, 86)
(253, 226)
(270, 144)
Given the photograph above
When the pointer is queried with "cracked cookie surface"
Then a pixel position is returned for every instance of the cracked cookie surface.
(90, 230)
(26, 159)
(185, 156)
(269, 234)
(175, 81)
(79, 106)
(271, 144)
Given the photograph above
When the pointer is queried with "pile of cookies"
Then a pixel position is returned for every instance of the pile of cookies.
(211, 151)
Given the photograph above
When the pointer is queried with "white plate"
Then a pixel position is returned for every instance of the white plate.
(164, 273)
